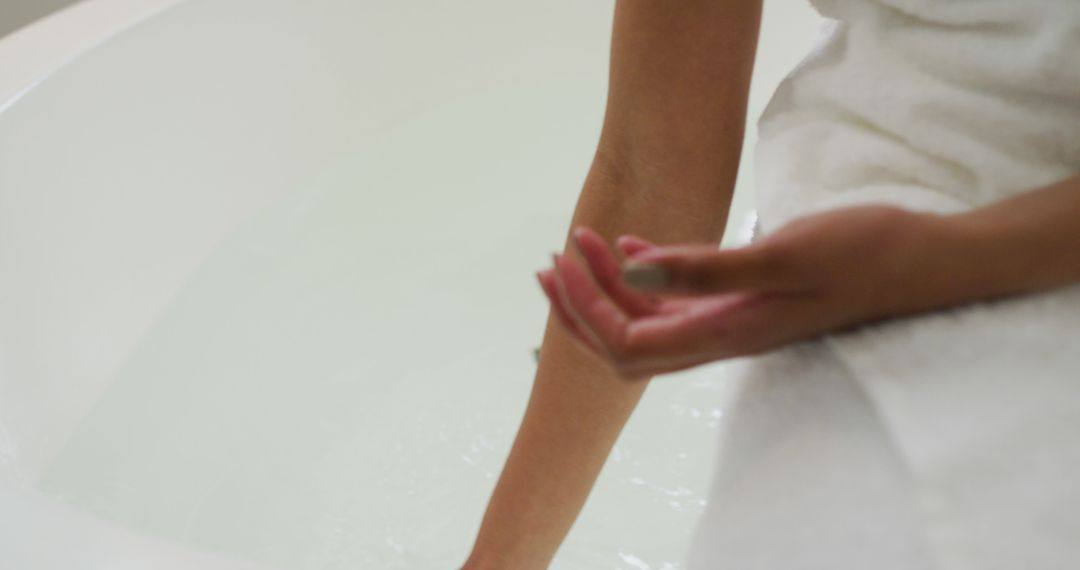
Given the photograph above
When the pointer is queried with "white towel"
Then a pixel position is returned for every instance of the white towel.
(946, 441)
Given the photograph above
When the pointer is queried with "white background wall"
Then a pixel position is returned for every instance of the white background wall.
(15, 14)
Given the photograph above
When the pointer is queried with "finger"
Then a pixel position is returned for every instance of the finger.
(671, 302)
(735, 325)
(704, 269)
(596, 315)
(547, 283)
(605, 269)
(636, 366)
(631, 244)
(638, 372)
(723, 327)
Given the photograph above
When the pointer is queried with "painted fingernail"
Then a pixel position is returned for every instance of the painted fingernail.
(645, 275)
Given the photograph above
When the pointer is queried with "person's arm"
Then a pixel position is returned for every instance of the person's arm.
(1027, 243)
(824, 272)
(664, 169)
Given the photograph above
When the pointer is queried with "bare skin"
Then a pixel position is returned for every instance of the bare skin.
(818, 274)
(665, 168)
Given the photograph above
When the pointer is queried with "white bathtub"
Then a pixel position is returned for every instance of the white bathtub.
(267, 294)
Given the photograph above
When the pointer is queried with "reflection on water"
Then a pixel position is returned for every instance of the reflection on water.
(338, 385)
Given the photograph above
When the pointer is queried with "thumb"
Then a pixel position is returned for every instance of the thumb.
(701, 269)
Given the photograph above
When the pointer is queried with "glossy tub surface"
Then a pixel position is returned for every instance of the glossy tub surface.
(268, 294)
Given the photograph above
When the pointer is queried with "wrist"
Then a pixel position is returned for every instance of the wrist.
(936, 261)
(968, 257)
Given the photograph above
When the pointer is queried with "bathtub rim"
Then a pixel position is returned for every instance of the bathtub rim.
(32, 54)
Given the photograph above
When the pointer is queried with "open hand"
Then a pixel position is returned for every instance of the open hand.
(817, 274)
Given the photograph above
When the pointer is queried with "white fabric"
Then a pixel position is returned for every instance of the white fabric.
(949, 441)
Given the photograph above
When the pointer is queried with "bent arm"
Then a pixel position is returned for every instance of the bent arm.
(665, 170)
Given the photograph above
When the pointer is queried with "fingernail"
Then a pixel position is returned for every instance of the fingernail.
(645, 275)
(577, 240)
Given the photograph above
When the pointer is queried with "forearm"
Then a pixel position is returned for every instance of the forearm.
(679, 79)
(578, 406)
(1026, 243)
(664, 170)
(575, 414)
